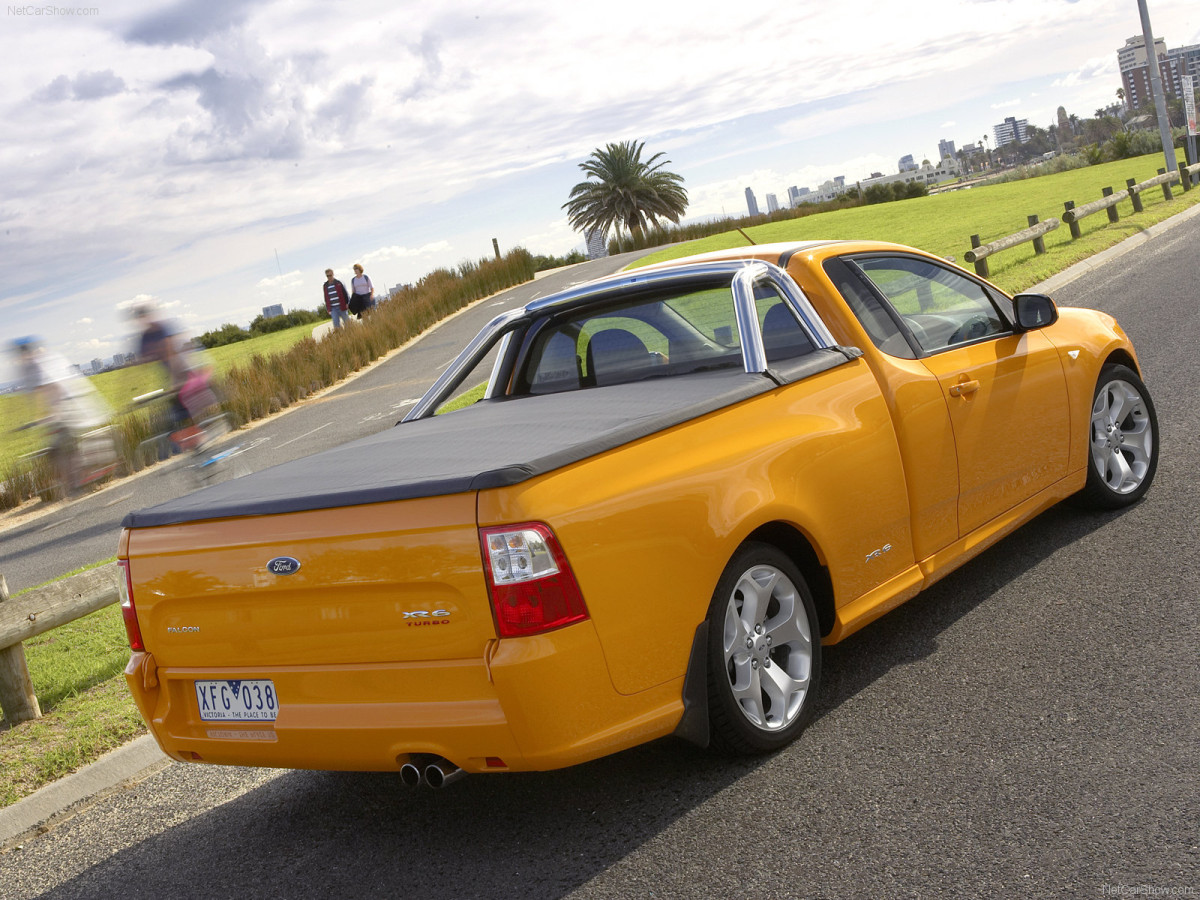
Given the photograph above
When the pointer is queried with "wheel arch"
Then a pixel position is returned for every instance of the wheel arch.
(787, 538)
(1122, 357)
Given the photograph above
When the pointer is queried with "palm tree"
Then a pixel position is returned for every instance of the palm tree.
(623, 190)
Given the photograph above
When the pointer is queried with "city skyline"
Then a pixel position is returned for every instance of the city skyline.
(219, 156)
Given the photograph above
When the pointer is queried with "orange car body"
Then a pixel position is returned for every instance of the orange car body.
(878, 475)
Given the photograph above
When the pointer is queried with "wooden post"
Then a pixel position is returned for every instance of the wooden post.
(16, 690)
(1076, 233)
(1135, 196)
(981, 266)
(1167, 195)
(1113, 215)
(496, 247)
(1039, 243)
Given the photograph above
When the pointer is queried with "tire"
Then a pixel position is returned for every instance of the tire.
(764, 653)
(1122, 441)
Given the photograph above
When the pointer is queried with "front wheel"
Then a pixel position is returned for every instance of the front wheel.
(764, 661)
(1123, 440)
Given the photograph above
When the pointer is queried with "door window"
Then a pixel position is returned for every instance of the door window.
(940, 307)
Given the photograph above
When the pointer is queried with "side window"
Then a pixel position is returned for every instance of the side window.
(881, 325)
(940, 307)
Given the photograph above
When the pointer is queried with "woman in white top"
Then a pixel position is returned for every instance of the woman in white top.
(362, 292)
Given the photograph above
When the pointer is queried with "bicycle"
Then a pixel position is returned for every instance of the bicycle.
(203, 446)
(75, 460)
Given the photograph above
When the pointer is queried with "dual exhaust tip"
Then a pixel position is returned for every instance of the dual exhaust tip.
(432, 771)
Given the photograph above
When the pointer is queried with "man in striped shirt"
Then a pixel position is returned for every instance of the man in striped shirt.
(336, 299)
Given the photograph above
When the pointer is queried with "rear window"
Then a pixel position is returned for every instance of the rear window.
(655, 335)
(646, 337)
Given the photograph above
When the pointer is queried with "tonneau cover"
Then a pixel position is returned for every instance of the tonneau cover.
(491, 444)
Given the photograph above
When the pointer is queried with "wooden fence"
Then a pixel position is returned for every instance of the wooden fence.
(1108, 201)
(38, 611)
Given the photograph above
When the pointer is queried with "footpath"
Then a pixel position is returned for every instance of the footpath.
(142, 757)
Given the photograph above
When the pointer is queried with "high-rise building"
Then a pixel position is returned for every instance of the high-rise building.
(772, 203)
(275, 309)
(1135, 70)
(751, 203)
(1011, 131)
(946, 148)
(1190, 57)
(907, 163)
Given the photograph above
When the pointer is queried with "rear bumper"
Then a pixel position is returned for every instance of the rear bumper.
(537, 703)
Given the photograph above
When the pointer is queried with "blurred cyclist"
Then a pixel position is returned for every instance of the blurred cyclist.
(188, 378)
(67, 405)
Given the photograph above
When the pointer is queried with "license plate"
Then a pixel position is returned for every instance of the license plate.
(237, 701)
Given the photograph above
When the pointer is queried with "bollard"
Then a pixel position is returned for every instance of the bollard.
(981, 267)
(1076, 233)
(1135, 196)
(1167, 195)
(1039, 243)
(17, 698)
(1113, 217)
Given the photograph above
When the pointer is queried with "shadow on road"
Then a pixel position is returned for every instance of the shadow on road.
(318, 834)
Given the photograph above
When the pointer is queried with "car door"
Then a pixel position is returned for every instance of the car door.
(1005, 392)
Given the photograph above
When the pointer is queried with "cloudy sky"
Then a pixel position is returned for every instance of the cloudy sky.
(219, 155)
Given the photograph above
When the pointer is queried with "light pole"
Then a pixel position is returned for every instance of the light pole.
(1156, 90)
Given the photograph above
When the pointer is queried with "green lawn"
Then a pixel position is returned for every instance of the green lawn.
(943, 223)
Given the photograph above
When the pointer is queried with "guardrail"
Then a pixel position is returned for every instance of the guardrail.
(38, 611)
(1036, 231)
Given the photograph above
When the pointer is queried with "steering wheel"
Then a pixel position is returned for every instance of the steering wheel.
(975, 327)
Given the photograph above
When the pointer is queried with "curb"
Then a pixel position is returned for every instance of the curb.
(1081, 268)
(128, 761)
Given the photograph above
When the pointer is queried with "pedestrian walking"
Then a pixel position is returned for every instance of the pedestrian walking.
(362, 292)
(336, 299)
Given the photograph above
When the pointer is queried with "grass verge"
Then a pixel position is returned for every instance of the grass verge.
(87, 710)
(943, 223)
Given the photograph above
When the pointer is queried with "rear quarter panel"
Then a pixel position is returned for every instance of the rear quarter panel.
(649, 527)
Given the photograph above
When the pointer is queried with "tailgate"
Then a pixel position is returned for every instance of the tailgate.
(399, 581)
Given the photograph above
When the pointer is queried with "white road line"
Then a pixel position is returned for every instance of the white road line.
(404, 403)
(302, 437)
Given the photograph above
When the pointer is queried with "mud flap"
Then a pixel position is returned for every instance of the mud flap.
(693, 726)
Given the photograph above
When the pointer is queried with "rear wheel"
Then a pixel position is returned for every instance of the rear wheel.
(1123, 440)
(764, 652)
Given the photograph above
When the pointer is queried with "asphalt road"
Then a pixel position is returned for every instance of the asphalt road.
(1029, 726)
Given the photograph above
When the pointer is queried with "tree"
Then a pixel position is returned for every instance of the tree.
(625, 191)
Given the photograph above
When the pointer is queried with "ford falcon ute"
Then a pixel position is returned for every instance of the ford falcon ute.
(660, 495)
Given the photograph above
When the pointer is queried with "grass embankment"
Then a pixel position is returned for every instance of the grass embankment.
(943, 223)
(75, 668)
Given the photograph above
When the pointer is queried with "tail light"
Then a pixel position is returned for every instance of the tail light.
(533, 588)
(128, 611)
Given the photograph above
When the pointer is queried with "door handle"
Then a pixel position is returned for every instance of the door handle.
(963, 388)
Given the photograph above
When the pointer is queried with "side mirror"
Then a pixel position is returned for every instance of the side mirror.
(1034, 311)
